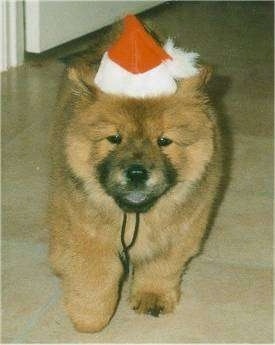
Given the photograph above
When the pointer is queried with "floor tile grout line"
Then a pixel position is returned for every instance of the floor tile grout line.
(208, 259)
(21, 338)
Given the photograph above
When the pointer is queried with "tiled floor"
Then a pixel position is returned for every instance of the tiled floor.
(227, 290)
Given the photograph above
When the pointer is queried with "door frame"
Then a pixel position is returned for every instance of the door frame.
(12, 33)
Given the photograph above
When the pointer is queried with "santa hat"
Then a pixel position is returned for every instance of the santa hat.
(137, 66)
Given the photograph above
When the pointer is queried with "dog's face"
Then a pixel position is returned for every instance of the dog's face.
(135, 169)
(137, 150)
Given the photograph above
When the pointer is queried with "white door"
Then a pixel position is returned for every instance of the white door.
(51, 23)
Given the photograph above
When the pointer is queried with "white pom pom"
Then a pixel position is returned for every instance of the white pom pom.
(183, 64)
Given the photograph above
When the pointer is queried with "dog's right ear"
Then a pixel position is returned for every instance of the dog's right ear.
(197, 82)
(81, 76)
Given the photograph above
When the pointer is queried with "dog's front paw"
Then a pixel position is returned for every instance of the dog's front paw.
(89, 313)
(154, 304)
(87, 325)
(87, 321)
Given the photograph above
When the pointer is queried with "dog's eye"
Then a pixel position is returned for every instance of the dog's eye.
(114, 139)
(164, 141)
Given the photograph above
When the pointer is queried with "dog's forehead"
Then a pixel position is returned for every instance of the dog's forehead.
(143, 117)
(159, 114)
(123, 111)
(145, 114)
(141, 108)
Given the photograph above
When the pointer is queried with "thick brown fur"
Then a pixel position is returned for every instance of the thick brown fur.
(86, 221)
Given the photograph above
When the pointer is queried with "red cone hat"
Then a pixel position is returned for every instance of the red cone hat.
(137, 66)
(136, 51)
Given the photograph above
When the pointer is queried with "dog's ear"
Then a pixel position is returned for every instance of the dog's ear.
(196, 82)
(81, 76)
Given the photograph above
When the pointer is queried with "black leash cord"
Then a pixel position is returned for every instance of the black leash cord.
(125, 254)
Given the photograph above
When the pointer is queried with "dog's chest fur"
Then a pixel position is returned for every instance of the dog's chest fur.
(150, 241)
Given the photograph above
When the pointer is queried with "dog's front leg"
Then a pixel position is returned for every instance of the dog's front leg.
(155, 286)
(91, 284)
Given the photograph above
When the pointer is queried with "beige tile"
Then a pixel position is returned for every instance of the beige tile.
(28, 95)
(242, 233)
(243, 229)
(25, 184)
(228, 303)
(227, 284)
(28, 287)
(252, 165)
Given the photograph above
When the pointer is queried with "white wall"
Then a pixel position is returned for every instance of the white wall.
(51, 23)
(11, 34)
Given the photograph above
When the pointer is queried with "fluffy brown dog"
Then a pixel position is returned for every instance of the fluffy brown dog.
(159, 158)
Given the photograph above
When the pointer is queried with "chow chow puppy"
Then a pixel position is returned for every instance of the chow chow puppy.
(156, 160)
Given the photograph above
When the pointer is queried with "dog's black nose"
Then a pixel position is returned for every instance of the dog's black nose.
(137, 173)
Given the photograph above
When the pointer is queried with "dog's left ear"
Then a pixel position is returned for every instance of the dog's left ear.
(81, 76)
(196, 82)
